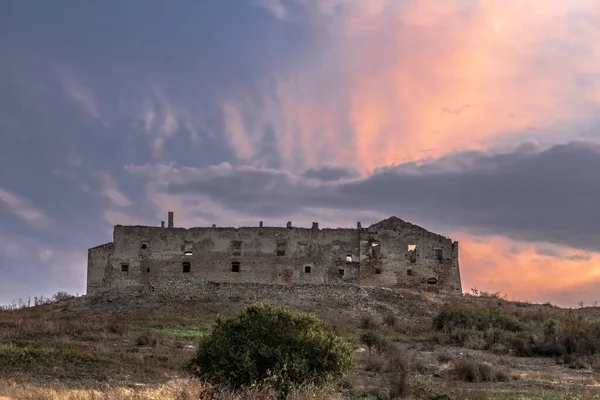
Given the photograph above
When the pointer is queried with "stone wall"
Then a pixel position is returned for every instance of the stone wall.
(380, 255)
(99, 262)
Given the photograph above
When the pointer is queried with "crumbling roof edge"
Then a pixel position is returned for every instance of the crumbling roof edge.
(104, 245)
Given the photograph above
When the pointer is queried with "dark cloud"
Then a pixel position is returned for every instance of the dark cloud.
(547, 251)
(579, 257)
(548, 195)
(331, 172)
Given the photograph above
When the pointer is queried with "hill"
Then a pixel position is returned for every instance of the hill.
(133, 344)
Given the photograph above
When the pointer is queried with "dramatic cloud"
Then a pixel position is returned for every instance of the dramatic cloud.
(394, 81)
(565, 277)
(330, 172)
(534, 195)
(333, 111)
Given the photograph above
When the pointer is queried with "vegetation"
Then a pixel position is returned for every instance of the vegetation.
(271, 345)
(73, 349)
(21, 303)
(505, 328)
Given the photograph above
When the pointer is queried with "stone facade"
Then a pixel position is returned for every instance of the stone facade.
(391, 253)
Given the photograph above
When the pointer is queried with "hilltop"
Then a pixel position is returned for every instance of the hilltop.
(135, 342)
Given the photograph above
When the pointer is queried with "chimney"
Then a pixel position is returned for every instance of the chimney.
(170, 219)
(162, 224)
(358, 225)
(315, 226)
(260, 224)
(289, 224)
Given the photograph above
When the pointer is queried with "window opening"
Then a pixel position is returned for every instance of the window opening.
(236, 247)
(188, 249)
(438, 254)
(412, 247)
(186, 267)
(341, 272)
(378, 271)
(375, 249)
(281, 249)
(307, 270)
(409, 272)
(148, 270)
(235, 266)
(303, 249)
(144, 246)
(124, 267)
(432, 281)
(348, 258)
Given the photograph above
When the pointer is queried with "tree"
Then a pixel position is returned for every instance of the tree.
(373, 339)
(272, 345)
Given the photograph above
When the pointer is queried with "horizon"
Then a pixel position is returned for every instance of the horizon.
(476, 119)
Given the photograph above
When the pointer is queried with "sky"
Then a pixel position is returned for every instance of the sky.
(476, 119)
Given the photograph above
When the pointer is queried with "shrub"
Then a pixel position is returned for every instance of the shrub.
(444, 357)
(390, 319)
(469, 370)
(271, 345)
(368, 322)
(146, 340)
(508, 329)
(373, 339)
(375, 364)
(400, 367)
(62, 296)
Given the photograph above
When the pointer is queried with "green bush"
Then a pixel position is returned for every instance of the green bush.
(372, 339)
(505, 329)
(271, 345)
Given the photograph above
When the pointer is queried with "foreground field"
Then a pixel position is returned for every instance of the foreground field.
(427, 347)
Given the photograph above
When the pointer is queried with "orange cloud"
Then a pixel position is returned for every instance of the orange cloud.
(523, 272)
(397, 81)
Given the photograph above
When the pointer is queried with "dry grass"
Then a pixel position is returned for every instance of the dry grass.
(470, 370)
(48, 343)
(52, 352)
(180, 389)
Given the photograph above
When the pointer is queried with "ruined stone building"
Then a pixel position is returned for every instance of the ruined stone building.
(391, 253)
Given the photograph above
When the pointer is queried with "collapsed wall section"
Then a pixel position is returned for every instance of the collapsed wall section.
(410, 257)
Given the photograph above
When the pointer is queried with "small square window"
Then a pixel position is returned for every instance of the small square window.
(341, 272)
(144, 246)
(186, 267)
(188, 249)
(378, 271)
(148, 270)
(307, 270)
(438, 254)
(409, 272)
(235, 266)
(348, 258)
(124, 267)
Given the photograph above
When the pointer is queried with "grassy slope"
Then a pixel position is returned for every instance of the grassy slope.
(67, 350)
